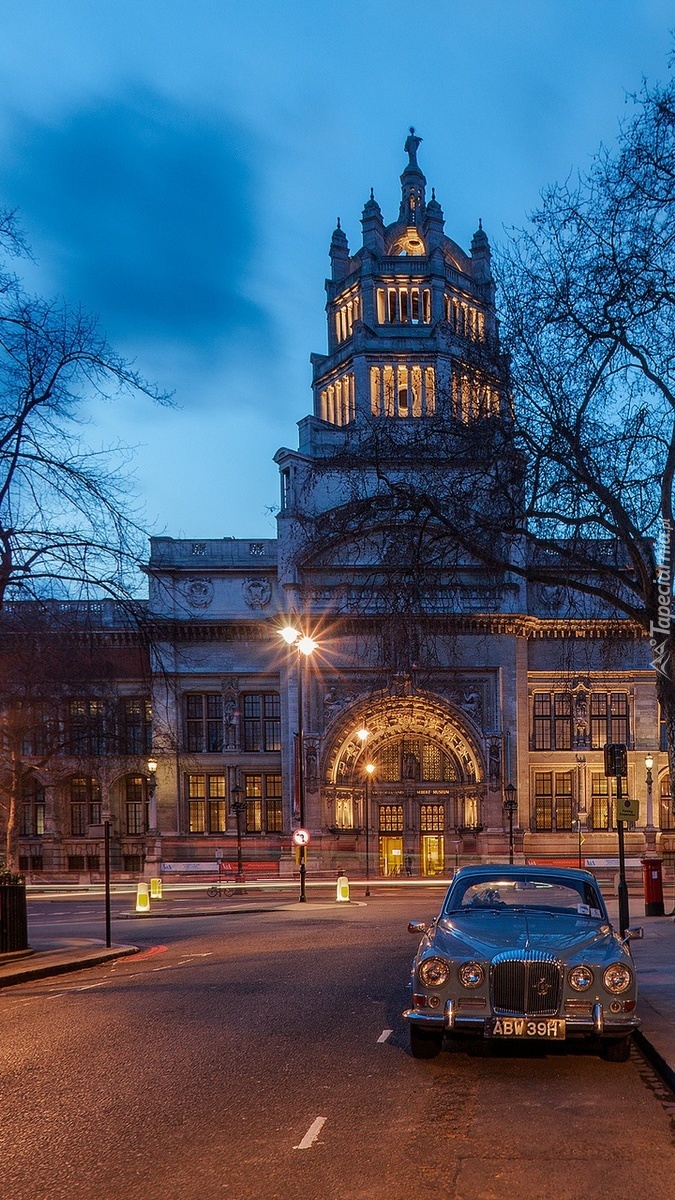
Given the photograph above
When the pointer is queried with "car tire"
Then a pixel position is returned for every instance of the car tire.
(616, 1049)
(424, 1044)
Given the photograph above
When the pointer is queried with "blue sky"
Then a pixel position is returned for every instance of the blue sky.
(179, 169)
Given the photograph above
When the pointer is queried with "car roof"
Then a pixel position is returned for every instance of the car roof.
(522, 871)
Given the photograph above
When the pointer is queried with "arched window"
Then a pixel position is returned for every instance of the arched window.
(136, 797)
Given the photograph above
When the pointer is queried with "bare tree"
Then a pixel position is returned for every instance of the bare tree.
(63, 671)
(589, 307)
(67, 526)
(572, 488)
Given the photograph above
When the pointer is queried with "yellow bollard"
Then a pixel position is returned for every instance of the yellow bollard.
(155, 889)
(142, 898)
(342, 888)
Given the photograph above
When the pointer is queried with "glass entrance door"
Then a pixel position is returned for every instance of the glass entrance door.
(391, 856)
(433, 854)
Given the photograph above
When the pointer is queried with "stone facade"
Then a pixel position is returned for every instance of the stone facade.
(493, 684)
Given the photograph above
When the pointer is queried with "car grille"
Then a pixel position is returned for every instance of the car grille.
(526, 983)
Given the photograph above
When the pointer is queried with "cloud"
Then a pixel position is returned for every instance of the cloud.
(142, 209)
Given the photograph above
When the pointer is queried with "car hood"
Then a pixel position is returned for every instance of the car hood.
(482, 935)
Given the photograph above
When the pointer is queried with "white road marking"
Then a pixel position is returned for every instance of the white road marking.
(385, 1034)
(312, 1134)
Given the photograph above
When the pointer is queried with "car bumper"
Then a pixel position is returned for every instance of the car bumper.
(597, 1024)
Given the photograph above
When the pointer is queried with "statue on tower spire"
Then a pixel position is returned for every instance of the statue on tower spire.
(411, 144)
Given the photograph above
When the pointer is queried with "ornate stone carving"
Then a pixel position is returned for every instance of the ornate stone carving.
(580, 694)
(552, 598)
(336, 698)
(469, 697)
(495, 765)
(198, 592)
(230, 718)
(257, 592)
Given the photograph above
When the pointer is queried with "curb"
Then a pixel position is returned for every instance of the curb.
(40, 970)
(196, 912)
(229, 910)
(657, 1060)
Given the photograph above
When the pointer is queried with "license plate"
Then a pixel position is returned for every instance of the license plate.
(528, 1027)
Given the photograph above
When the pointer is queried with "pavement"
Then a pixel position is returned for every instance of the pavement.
(654, 956)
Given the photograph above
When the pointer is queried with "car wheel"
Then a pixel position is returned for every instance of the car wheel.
(424, 1044)
(616, 1050)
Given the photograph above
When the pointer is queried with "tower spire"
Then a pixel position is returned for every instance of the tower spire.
(413, 184)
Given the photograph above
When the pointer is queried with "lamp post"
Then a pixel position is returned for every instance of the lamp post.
(305, 646)
(510, 807)
(370, 767)
(239, 807)
(152, 795)
(106, 867)
(649, 763)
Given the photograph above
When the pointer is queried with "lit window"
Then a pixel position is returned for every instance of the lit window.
(375, 400)
(381, 314)
(552, 801)
(136, 804)
(253, 792)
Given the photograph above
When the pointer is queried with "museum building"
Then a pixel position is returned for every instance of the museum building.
(405, 742)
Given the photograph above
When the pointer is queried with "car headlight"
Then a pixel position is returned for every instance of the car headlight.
(617, 978)
(580, 978)
(471, 974)
(433, 972)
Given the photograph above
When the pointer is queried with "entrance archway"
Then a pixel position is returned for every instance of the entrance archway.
(427, 782)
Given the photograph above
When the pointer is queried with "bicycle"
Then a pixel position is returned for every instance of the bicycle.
(219, 889)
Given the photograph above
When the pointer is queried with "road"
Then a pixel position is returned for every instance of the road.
(263, 1057)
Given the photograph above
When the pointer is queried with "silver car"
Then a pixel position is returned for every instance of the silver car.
(522, 954)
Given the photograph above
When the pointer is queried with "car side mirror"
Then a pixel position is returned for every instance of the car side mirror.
(634, 935)
(418, 927)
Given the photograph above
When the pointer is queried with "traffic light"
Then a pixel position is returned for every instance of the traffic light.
(616, 760)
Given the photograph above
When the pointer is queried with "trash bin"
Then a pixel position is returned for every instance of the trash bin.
(652, 879)
(13, 915)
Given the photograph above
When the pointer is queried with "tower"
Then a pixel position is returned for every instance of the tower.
(413, 344)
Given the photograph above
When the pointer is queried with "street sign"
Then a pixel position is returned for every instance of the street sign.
(627, 809)
(300, 837)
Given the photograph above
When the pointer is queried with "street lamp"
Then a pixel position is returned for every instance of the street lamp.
(152, 801)
(649, 763)
(510, 807)
(239, 807)
(305, 646)
(370, 768)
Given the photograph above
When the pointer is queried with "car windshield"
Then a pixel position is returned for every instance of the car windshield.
(548, 893)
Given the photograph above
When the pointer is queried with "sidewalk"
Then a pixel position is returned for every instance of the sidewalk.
(654, 958)
(56, 958)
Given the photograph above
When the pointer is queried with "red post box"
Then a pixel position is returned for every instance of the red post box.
(652, 879)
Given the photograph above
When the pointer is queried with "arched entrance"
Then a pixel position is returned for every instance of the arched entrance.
(424, 786)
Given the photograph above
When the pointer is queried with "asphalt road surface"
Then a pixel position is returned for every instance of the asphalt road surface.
(263, 1057)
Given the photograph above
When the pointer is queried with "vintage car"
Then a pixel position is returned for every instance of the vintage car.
(523, 953)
